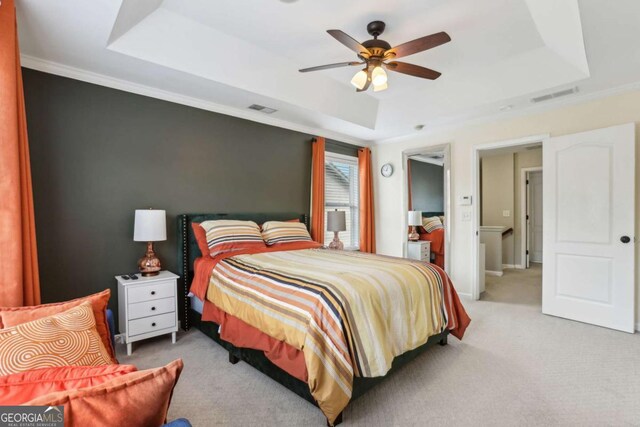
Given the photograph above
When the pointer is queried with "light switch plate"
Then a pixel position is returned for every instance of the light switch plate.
(466, 216)
(506, 214)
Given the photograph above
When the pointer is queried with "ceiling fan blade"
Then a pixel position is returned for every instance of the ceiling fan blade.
(349, 42)
(326, 67)
(413, 70)
(417, 45)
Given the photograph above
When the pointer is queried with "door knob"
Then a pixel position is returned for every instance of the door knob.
(625, 239)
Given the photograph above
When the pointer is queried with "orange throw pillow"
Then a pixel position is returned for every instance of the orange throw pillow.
(64, 339)
(201, 238)
(137, 399)
(12, 316)
(19, 388)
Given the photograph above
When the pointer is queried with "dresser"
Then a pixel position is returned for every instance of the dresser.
(147, 307)
(420, 250)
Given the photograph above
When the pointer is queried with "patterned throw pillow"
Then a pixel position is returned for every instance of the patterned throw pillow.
(431, 224)
(13, 316)
(227, 235)
(65, 339)
(274, 232)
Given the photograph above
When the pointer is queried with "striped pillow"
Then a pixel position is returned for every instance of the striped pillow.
(274, 232)
(226, 235)
(431, 224)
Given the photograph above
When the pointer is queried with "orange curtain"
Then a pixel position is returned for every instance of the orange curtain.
(317, 190)
(19, 281)
(409, 184)
(367, 223)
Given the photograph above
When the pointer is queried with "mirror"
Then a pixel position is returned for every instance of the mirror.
(426, 205)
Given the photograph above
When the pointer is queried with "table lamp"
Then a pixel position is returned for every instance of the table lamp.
(415, 219)
(150, 226)
(336, 222)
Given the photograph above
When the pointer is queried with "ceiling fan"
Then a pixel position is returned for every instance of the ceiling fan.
(377, 54)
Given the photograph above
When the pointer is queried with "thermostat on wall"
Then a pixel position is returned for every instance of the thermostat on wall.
(465, 200)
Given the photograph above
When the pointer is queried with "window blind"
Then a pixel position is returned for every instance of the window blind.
(341, 192)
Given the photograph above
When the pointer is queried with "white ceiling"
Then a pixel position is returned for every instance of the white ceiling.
(225, 56)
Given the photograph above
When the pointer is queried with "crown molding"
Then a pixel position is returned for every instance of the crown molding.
(555, 104)
(58, 69)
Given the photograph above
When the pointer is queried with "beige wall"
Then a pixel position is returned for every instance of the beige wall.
(523, 159)
(497, 194)
(614, 110)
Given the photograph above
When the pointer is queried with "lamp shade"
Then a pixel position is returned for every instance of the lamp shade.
(150, 225)
(336, 221)
(415, 217)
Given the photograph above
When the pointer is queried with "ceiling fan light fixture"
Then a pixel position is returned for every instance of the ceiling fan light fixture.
(359, 79)
(378, 88)
(379, 77)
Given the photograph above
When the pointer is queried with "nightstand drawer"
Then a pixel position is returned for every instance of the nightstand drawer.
(153, 323)
(151, 308)
(150, 292)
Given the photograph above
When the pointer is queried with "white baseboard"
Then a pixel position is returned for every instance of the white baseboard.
(493, 273)
(465, 295)
(508, 266)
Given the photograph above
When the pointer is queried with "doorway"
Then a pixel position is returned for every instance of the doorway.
(510, 209)
(589, 218)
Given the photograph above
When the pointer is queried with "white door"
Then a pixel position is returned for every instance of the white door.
(588, 249)
(535, 217)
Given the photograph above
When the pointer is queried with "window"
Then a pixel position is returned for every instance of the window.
(341, 192)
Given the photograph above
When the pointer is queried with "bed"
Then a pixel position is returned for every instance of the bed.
(322, 379)
(436, 237)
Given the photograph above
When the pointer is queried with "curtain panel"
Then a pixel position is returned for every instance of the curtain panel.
(317, 190)
(367, 223)
(19, 281)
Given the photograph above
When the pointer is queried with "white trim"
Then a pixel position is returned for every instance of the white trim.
(493, 273)
(467, 296)
(152, 92)
(475, 197)
(525, 110)
(523, 212)
(508, 266)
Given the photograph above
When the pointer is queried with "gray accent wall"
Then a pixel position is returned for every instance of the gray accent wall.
(97, 154)
(427, 186)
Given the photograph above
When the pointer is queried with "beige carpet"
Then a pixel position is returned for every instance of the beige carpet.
(515, 366)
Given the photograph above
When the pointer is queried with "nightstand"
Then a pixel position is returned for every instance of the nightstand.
(420, 250)
(147, 307)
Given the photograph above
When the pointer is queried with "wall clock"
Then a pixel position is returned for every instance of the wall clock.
(386, 170)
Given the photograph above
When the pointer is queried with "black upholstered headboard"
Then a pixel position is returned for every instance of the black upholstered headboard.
(188, 249)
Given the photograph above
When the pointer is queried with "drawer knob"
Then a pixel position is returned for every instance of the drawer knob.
(153, 309)
(153, 292)
(153, 324)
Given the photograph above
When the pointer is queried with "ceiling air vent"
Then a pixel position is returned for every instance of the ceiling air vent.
(554, 95)
(262, 108)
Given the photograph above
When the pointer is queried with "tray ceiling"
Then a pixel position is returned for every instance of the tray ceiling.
(225, 56)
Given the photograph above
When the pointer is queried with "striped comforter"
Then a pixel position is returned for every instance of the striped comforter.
(350, 313)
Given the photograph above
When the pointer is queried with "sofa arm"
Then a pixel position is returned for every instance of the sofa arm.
(112, 327)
